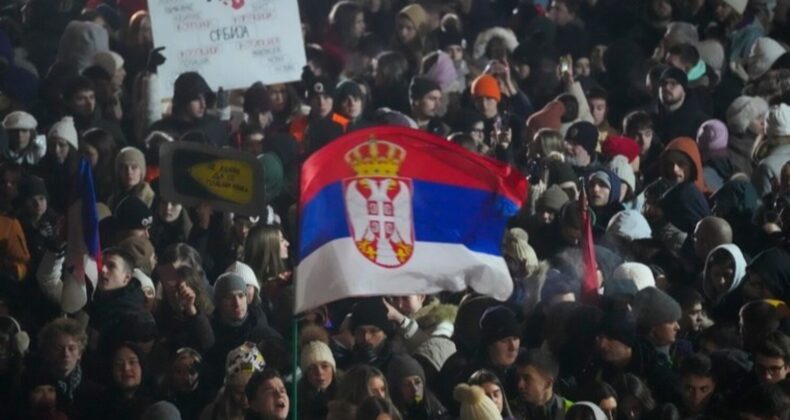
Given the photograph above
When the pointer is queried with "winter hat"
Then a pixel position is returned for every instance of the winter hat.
(598, 414)
(256, 99)
(620, 167)
(162, 410)
(244, 359)
(348, 88)
(602, 176)
(475, 405)
(486, 86)
(552, 199)
(560, 173)
(712, 53)
(443, 71)
(19, 120)
(273, 175)
(188, 87)
(31, 186)
(142, 252)
(764, 53)
(417, 15)
(388, 116)
(618, 323)
(611, 180)
(245, 272)
(450, 35)
(401, 367)
(743, 110)
(315, 352)
(619, 286)
(637, 273)
(320, 85)
(109, 61)
(777, 123)
(421, 86)
(496, 323)
(653, 307)
(585, 134)
(515, 244)
(737, 5)
(558, 283)
(64, 129)
(484, 38)
(712, 138)
(677, 75)
(130, 156)
(228, 283)
(620, 145)
(681, 33)
(371, 311)
(550, 116)
(80, 42)
(132, 213)
(629, 225)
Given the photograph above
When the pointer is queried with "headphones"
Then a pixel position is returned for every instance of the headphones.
(21, 339)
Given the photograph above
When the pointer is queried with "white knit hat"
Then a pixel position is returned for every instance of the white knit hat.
(19, 120)
(743, 110)
(629, 225)
(130, 155)
(315, 352)
(738, 5)
(712, 53)
(109, 61)
(777, 123)
(245, 272)
(65, 130)
(764, 53)
(638, 273)
(620, 166)
(475, 405)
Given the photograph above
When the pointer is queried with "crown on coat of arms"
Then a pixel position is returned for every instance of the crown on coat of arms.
(376, 158)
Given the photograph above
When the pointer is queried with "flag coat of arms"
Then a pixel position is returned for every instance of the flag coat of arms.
(394, 211)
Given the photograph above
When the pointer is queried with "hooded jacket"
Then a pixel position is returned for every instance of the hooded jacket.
(684, 206)
(773, 266)
(689, 147)
(737, 203)
(740, 272)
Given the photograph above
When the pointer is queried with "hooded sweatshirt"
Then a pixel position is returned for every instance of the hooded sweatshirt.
(688, 146)
(740, 272)
(773, 266)
(81, 42)
(684, 206)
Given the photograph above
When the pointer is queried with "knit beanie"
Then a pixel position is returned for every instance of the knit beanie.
(743, 110)
(629, 225)
(777, 123)
(64, 129)
(130, 156)
(244, 359)
(618, 323)
(602, 176)
(348, 88)
(676, 74)
(401, 367)
(132, 213)
(256, 99)
(515, 244)
(245, 272)
(228, 283)
(450, 35)
(552, 199)
(619, 286)
(737, 5)
(109, 61)
(315, 352)
(475, 405)
(560, 173)
(637, 273)
(712, 53)
(681, 33)
(371, 311)
(712, 138)
(19, 120)
(764, 53)
(421, 86)
(620, 145)
(550, 116)
(142, 252)
(654, 307)
(620, 167)
(497, 323)
(558, 283)
(320, 85)
(417, 15)
(443, 71)
(585, 134)
(31, 186)
(486, 86)
(161, 410)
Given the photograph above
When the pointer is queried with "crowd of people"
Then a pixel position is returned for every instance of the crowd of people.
(668, 121)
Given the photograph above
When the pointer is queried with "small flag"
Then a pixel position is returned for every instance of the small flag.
(590, 275)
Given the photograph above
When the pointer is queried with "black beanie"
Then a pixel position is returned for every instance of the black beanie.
(31, 186)
(320, 85)
(371, 311)
(256, 99)
(496, 323)
(132, 213)
(585, 135)
(188, 87)
(450, 36)
(348, 88)
(677, 75)
(420, 86)
(618, 323)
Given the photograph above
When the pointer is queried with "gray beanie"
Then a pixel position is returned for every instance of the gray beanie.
(227, 283)
(743, 110)
(162, 410)
(552, 199)
(653, 307)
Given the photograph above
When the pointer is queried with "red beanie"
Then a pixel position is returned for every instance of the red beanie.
(620, 145)
(486, 85)
(548, 117)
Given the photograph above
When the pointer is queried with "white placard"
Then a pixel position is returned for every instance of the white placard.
(231, 43)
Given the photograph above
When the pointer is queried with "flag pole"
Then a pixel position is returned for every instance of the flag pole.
(295, 367)
(590, 276)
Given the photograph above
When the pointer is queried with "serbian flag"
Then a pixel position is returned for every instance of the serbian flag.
(396, 211)
(83, 251)
(590, 275)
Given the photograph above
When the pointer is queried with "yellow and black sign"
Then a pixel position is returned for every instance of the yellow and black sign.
(229, 180)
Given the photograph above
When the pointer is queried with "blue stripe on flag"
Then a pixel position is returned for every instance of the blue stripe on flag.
(442, 213)
(90, 217)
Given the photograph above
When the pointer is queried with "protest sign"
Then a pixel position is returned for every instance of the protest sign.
(231, 43)
(228, 179)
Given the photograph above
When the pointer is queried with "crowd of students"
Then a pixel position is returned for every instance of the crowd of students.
(670, 117)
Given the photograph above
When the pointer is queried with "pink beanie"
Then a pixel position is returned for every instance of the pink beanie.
(712, 138)
(443, 71)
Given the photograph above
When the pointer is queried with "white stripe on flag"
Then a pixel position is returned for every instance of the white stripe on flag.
(337, 270)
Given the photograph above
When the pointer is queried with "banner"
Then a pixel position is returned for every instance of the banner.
(229, 180)
(231, 43)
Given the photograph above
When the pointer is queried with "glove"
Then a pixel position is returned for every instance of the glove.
(223, 97)
(155, 59)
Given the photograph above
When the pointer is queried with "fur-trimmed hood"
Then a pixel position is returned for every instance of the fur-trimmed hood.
(511, 42)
